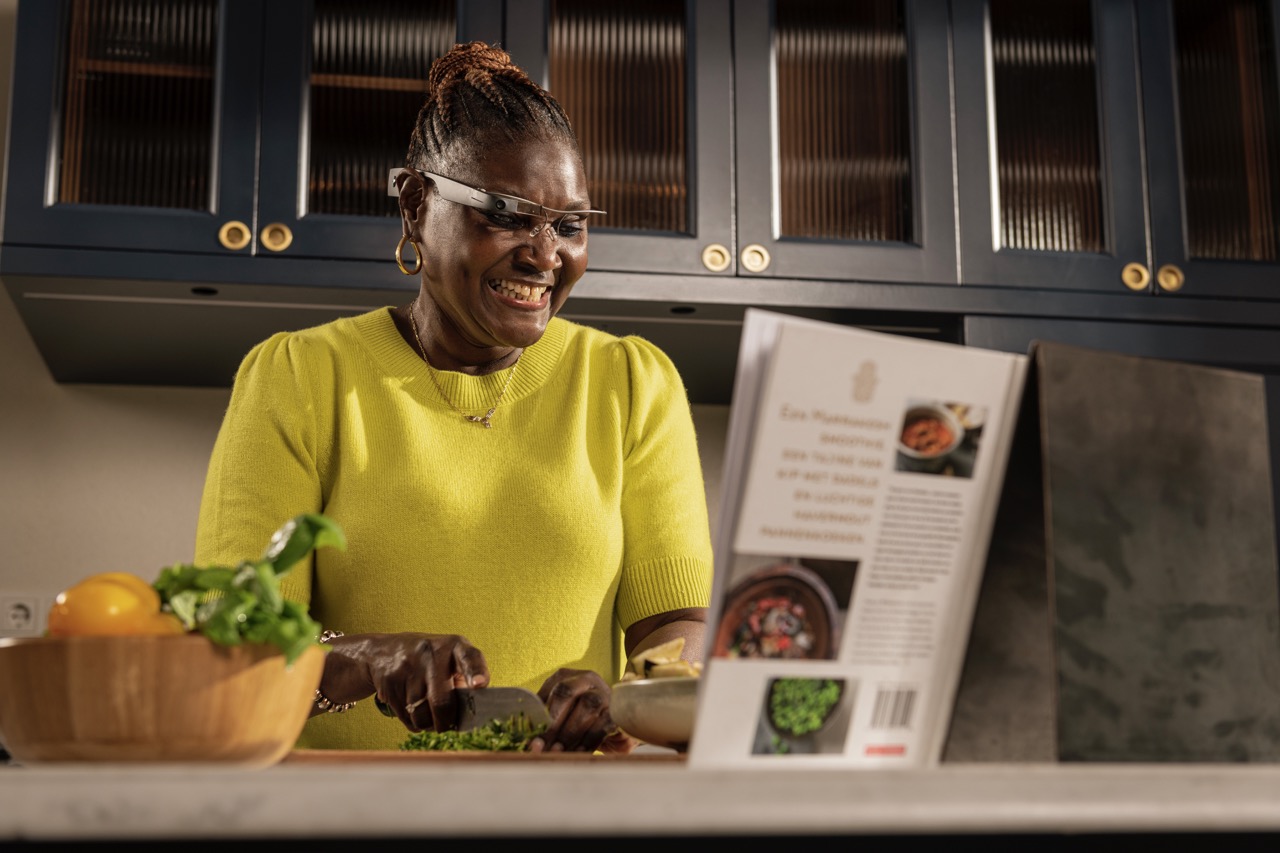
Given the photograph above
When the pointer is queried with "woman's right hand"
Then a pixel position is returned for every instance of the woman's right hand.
(411, 675)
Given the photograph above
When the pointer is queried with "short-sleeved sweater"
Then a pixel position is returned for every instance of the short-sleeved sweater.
(581, 511)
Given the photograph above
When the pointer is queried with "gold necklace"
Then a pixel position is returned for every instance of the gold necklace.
(486, 418)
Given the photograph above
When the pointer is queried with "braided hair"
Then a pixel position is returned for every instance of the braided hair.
(477, 96)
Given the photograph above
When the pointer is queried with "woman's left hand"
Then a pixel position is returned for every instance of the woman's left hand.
(578, 701)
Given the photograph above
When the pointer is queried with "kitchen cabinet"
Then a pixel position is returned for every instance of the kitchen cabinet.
(1116, 145)
(649, 88)
(221, 127)
(1098, 146)
(844, 141)
(188, 177)
(756, 138)
(185, 178)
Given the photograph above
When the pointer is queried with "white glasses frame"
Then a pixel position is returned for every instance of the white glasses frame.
(491, 202)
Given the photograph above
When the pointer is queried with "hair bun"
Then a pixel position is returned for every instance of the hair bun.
(475, 63)
(477, 95)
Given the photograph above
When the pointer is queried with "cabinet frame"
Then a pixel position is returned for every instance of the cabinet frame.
(1203, 276)
(1143, 193)
(982, 259)
(931, 257)
(283, 173)
(709, 142)
(259, 148)
(34, 217)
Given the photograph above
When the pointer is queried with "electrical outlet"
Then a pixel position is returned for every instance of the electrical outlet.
(21, 614)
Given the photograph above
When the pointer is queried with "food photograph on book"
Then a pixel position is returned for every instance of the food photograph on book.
(939, 437)
(800, 716)
(785, 609)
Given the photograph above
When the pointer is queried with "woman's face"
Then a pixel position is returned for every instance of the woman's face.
(489, 283)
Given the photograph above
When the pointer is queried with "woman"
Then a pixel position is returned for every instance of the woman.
(522, 496)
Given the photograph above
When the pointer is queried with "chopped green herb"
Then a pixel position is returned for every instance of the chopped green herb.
(510, 735)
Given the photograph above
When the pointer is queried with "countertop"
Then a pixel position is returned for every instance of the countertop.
(421, 796)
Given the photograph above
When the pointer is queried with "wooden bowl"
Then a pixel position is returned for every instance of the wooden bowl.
(780, 611)
(152, 699)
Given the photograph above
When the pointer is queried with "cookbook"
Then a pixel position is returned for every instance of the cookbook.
(861, 479)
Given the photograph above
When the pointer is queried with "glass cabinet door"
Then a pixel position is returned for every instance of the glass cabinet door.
(342, 85)
(1049, 145)
(648, 87)
(843, 129)
(151, 127)
(1213, 141)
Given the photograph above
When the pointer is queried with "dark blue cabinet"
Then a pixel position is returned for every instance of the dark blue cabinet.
(757, 139)
(221, 127)
(185, 177)
(134, 132)
(1118, 146)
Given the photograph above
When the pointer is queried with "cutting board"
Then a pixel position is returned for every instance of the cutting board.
(366, 756)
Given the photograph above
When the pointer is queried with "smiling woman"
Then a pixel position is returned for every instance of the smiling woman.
(522, 495)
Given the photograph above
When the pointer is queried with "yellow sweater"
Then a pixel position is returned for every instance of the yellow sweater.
(579, 512)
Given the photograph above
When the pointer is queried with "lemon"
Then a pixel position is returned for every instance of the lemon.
(110, 604)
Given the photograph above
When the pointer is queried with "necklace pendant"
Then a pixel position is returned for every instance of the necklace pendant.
(487, 418)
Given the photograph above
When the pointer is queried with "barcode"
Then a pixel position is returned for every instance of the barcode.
(893, 707)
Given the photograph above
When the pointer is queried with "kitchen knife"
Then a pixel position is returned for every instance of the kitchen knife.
(479, 707)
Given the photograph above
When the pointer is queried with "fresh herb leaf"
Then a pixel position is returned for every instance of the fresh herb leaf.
(243, 604)
(298, 537)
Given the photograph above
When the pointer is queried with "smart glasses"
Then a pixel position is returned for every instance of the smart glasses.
(509, 210)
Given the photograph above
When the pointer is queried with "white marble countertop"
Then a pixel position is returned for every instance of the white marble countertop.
(624, 797)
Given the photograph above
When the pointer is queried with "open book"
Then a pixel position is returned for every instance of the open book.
(861, 479)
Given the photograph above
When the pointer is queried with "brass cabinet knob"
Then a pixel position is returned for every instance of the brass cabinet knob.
(755, 258)
(234, 235)
(276, 236)
(1170, 278)
(716, 257)
(1135, 276)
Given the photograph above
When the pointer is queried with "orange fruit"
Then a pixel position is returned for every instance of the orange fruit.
(164, 623)
(110, 603)
(143, 589)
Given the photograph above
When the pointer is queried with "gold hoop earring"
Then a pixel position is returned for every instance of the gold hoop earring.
(417, 256)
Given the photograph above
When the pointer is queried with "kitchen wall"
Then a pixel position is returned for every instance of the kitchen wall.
(102, 478)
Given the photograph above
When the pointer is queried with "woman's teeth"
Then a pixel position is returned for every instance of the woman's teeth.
(523, 292)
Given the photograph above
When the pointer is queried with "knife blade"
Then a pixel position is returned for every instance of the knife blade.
(479, 707)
